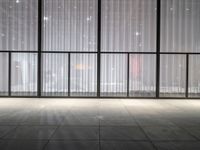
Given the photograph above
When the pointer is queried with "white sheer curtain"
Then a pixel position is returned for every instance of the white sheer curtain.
(142, 75)
(180, 26)
(129, 25)
(18, 32)
(172, 75)
(24, 74)
(194, 76)
(83, 80)
(55, 74)
(18, 25)
(3, 74)
(180, 32)
(70, 25)
(113, 75)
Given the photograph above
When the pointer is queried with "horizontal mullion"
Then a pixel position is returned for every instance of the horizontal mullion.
(18, 51)
(178, 53)
(171, 53)
(101, 97)
(95, 52)
(87, 52)
(128, 52)
(5, 51)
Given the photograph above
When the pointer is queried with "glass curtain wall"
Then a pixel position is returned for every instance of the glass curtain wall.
(3, 74)
(70, 25)
(128, 26)
(18, 35)
(18, 25)
(83, 75)
(55, 74)
(180, 26)
(142, 75)
(70, 29)
(194, 76)
(172, 75)
(180, 33)
(128, 50)
(24, 74)
(114, 75)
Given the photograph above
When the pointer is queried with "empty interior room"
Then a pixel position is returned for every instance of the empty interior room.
(99, 74)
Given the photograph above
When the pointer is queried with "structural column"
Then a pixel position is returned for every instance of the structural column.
(158, 48)
(99, 50)
(40, 16)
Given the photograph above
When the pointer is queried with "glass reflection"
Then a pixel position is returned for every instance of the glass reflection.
(172, 75)
(83, 75)
(24, 74)
(18, 25)
(194, 76)
(70, 25)
(128, 25)
(3, 74)
(142, 75)
(113, 75)
(55, 75)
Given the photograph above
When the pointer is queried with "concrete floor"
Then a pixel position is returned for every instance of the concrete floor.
(99, 124)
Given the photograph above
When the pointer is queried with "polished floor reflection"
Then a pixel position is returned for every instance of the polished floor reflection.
(99, 124)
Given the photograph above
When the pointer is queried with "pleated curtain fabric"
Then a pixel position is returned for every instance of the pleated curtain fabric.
(180, 26)
(69, 47)
(83, 75)
(194, 76)
(70, 25)
(129, 25)
(172, 75)
(24, 74)
(180, 33)
(55, 74)
(19, 32)
(18, 25)
(3, 74)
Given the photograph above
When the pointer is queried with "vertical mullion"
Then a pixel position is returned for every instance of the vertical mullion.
(187, 75)
(99, 49)
(39, 45)
(9, 74)
(158, 22)
(69, 73)
(128, 71)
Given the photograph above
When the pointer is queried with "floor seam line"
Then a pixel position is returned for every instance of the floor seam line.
(153, 145)
(48, 141)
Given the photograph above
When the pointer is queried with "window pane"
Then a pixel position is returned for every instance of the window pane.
(194, 76)
(129, 25)
(70, 25)
(55, 74)
(24, 74)
(142, 75)
(3, 74)
(180, 26)
(83, 80)
(18, 25)
(172, 75)
(113, 75)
